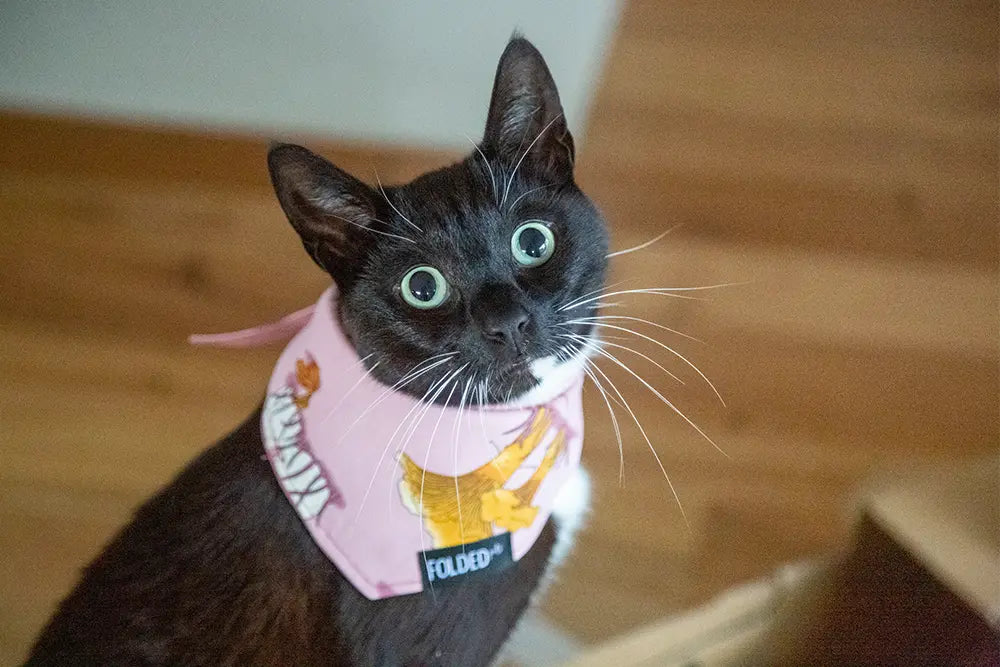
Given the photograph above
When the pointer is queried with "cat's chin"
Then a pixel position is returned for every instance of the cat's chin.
(551, 378)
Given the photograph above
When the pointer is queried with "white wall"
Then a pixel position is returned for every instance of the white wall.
(415, 72)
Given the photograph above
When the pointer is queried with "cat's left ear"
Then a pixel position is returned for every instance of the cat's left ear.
(526, 120)
(328, 207)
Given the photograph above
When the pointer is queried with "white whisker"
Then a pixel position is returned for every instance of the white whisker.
(392, 438)
(425, 405)
(427, 456)
(525, 194)
(354, 386)
(600, 291)
(405, 380)
(398, 212)
(527, 150)
(415, 422)
(579, 338)
(614, 423)
(588, 320)
(614, 418)
(662, 398)
(660, 291)
(654, 291)
(668, 349)
(483, 400)
(493, 180)
(454, 450)
(371, 229)
(641, 246)
(645, 437)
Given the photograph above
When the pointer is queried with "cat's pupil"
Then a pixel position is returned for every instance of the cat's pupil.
(423, 286)
(532, 242)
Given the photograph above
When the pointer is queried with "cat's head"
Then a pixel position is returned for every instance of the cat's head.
(462, 272)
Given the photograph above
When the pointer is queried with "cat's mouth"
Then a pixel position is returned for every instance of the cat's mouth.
(519, 368)
(511, 379)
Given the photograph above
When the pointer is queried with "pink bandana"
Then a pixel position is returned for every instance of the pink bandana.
(403, 496)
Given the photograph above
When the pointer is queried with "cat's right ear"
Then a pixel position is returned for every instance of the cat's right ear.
(328, 208)
(525, 121)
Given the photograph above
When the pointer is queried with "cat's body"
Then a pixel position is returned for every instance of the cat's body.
(218, 569)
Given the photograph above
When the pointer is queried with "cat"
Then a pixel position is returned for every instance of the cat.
(217, 568)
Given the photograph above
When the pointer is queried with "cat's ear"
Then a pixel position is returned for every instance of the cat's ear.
(526, 120)
(328, 207)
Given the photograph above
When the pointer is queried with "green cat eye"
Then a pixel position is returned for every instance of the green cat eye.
(424, 287)
(532, 244)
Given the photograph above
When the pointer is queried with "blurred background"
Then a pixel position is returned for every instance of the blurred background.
(839, 159)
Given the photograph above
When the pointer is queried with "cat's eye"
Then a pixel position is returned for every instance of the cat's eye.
(532, 244)
(424, 287)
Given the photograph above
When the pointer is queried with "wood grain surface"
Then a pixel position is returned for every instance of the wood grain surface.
(837, 159)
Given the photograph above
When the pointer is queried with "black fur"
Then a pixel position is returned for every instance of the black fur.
(218, 569)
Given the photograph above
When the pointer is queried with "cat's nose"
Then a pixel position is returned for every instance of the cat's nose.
(508, 328)
(503, 321)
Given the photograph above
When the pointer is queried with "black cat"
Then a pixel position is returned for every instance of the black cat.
(218, 569)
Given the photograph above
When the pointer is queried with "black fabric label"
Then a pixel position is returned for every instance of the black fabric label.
(453, 564)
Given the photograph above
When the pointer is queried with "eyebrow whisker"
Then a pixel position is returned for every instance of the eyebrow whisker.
(389, 202)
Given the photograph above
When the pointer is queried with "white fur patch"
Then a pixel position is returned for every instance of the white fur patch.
(553, 379)
(570, 510)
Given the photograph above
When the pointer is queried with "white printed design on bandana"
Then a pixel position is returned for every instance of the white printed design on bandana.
(301, 476)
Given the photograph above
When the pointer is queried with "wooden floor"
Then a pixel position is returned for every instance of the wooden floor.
(839, 159)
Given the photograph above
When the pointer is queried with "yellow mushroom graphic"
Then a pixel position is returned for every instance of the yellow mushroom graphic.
(465, 508)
